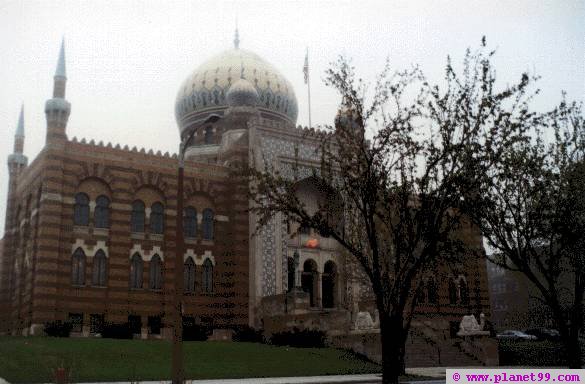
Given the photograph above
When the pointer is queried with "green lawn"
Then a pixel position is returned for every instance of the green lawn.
(33, 359)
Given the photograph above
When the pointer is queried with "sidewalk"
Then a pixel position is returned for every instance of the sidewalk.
(338, 379)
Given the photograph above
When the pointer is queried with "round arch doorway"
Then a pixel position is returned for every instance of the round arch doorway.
(329, 285)
(310, 280)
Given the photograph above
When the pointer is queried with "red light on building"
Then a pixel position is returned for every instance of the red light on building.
(312, 243)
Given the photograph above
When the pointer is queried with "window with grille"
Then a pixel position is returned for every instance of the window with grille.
(102, 212)
(81, 209)
(99, 273)
(156, 218)
(137, 219)
(208, 224)
(78, 267)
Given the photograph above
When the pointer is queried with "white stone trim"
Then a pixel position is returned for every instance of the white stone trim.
(157, 251)
(91, 206)
(461, 277)
(147, 211)
(136, 248)
(52, 196)
(191, 254)
(90, 250)
(69, 200)
(146, 255)
(199, 259)
(208, 255)
(222, 218)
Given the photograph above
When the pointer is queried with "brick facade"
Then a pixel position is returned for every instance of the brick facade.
(250, 268)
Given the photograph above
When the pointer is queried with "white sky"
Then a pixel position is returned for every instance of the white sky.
(127, 59)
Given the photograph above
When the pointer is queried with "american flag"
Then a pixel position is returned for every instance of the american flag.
(306, 67)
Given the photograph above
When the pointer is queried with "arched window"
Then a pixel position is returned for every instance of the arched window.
(304, 230)
(291, 273)
(156, 218)
(155, 281)
(432, 291)
(99, 273)
(136, 271)
(190, 222)
(208, 224)
(102, 212)
(208, 135)
(81, 209)
(78, 267)
(452, 292)
(189, 275)
(463, 292)
(137, 219)
(207, 276)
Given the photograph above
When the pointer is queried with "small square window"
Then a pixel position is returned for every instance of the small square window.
(76, 320)
(96, 323)
(135, 323)
(154, 325)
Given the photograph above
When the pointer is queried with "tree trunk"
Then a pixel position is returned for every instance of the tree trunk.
(573, 344)
(570, 339)
(573, 348)
(393, 348)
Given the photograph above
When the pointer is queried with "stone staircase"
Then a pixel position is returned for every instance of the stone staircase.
(422, 351)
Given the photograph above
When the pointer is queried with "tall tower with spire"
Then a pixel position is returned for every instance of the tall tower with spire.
(17, 161)
(57, 109)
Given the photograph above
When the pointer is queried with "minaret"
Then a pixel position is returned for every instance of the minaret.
(19, 135)
(16, 163)
(237, 38)
(57, 109)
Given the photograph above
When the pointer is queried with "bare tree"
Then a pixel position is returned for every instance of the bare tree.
(395, 167)
(531, 209)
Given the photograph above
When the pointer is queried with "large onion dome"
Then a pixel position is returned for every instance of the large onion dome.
(205, 91)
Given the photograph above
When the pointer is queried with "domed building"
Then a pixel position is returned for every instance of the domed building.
(90, 234)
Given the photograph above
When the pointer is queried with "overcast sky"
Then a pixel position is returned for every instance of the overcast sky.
(127, 59)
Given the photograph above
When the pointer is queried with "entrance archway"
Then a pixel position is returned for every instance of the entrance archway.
(310, 279)
(329, 284)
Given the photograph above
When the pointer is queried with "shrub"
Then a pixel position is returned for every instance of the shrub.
(117, 331)
(248, 334)
(196, 332)
(301, 338)
(58, 328)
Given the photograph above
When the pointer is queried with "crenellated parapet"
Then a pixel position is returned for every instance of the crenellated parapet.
(122, 149)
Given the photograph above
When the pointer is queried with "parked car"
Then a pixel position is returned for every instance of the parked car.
(544, 334)
(515, 335)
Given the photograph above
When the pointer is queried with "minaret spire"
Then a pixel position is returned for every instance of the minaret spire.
(20, 126)
(60, 71)
(237, 37)
(19, 135)
(60, 78)
(57, 109)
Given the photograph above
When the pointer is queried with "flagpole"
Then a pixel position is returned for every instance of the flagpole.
(308, 87)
